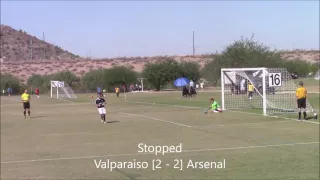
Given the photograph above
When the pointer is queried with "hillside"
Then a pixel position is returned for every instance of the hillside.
(15, 50)
(19, 45)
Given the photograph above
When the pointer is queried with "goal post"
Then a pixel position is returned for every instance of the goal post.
(274, 90)
(59, 90)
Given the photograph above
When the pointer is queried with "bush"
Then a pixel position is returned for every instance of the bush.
(190, 70)
(67, 76)
(7, 80)
(249, 53)
(120, 75)
(93, 79)
(42, 82)
(161, 72)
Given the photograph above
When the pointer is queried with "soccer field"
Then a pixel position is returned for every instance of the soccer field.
(65, 140)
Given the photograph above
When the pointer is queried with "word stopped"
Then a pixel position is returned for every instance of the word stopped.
(144, 148)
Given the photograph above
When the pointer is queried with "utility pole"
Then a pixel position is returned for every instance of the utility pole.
(193, 48)
(44, 48)
(30, 49)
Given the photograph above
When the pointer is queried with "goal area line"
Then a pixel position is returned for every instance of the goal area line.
(235, 111)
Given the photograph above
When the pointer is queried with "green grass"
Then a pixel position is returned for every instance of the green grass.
(59, 142)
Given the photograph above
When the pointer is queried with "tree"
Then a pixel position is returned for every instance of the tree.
(161, 72)
(190, 70)
(120, 75)
(249, 53)
(40, 81)
(7, 80)
(66, 76)
(95, 78)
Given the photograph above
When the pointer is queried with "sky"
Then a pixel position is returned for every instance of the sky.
(141, 28)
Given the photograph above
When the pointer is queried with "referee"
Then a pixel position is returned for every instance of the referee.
(301, 95)
(25, 97)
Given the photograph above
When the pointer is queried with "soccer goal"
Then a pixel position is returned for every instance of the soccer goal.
(317, 75)
(61, 90)
(274, 90)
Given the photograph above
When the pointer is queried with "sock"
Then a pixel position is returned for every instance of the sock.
(29, 113)
(24, 113)
(299, 115)
(101, 117)
(304, 115)
(104, 117)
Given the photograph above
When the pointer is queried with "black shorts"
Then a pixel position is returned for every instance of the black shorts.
(250, 93)
(26, 105)
(302, 103)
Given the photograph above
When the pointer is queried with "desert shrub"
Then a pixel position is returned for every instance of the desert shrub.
(249, 53)
(94, 78)
(161, 72)
(67, 76)
(7, 80)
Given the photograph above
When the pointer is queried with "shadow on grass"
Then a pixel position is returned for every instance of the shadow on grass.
(33, 117)
(113, 121)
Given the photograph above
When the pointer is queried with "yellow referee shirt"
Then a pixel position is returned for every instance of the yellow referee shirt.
(301, 92)
(250, 87)
(25, 97)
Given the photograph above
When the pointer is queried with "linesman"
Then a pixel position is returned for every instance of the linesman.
(301, 95)
(25, 98)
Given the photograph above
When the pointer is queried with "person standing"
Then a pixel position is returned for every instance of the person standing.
(100, 103)
(301, 94)
(37, 92)
(201, 85)
(25, 98)
(117, 90)
(250, 90)
(9, 91)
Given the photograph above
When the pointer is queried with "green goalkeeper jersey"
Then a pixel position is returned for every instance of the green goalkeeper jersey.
(215, 105)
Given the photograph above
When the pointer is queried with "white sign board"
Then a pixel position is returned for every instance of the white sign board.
(231, 75)
(57, 83)
(275, 79)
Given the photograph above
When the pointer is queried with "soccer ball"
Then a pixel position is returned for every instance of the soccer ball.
(315, 116)
(205, 111)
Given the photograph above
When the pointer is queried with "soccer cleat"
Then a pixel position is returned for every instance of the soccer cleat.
(104, 122)
(101, 120)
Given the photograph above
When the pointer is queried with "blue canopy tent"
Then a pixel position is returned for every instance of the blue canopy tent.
(182, 81)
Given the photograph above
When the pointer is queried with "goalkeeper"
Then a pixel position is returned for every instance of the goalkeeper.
(215, 107)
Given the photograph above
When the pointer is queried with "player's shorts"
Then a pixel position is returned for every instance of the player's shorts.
(26, 105)
(217, 110)
(102, 110)
(250, 93)
(302, 103)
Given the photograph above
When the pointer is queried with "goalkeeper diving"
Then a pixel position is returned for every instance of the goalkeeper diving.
(214, 107)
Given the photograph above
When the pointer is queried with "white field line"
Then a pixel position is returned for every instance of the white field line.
(136, 154)
(239, 124)
(156, 119)
(193, 107)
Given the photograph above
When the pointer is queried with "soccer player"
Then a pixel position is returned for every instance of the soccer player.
(250, 90)
(25, 98)
(100, 102)
(215, 107)
(9, 91)
(301, 95)
(117, 89)
(37, 92)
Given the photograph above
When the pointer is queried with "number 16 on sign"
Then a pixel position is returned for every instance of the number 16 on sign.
(275, 79)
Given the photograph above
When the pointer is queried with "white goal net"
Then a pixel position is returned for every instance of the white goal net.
(274, 90)
(61, 90)
(317, 75)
